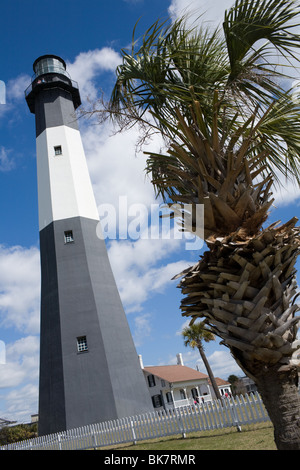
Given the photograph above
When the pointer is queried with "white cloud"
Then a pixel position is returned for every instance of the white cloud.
(88, 65)
(21, 403)
(22, 348)
(22, 362)
(212, 11)
(115, 168)
(20, 288)
(286, 194)
(14, 93)
(17, 86)
(11, 375)
(140, 271)
(19, 379)
(221, 362)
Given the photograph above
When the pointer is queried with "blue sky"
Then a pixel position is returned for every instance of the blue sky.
(89, 36)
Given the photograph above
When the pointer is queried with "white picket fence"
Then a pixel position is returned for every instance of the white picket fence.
(201, 417)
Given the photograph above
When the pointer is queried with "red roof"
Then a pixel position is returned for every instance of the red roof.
(176, 373)
(220, 382)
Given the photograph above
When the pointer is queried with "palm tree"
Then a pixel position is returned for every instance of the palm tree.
(234, 382)
(231, 130)
(194, 336)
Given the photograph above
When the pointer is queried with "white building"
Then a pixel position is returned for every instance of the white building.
(178, 385)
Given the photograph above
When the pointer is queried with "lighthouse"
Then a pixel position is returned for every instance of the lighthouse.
(89, 368)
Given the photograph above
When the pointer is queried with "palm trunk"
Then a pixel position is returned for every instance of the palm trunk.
(210, 373)
(278, 387)
(280, 394)
(246, 290)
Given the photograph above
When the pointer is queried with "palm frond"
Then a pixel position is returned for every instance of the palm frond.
(158, 75)
(250, 21)
(206, 94)
(279, 133)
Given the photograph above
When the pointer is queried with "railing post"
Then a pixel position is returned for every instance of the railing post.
(235, 416)
(59, 442)
(93, 430)
(180, 423)
(133, 432)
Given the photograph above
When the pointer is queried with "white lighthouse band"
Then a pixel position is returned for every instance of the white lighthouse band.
(64, 186)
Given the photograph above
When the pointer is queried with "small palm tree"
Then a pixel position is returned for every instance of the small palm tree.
(194, 336)
(230, 130)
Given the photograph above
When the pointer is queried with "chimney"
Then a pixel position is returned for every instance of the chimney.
(179, 359)
(141, 361)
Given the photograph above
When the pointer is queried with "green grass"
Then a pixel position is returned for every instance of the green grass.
(252, 437)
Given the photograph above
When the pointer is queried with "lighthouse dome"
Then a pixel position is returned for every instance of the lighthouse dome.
(49, 64)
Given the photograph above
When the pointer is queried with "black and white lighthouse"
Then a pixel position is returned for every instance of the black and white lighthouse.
(89, 368)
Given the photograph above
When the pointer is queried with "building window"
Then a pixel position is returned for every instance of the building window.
(182, 394)
(163, 383)
(157, 401)
(57, 150)
(82, 344)
(169, 397)
(69, 236)
(151, 380)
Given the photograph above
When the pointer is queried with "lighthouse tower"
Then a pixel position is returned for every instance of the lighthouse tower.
(89, 368)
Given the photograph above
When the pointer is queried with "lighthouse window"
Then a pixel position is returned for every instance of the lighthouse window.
(58, 150)
(82, 344)
(69, 236)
